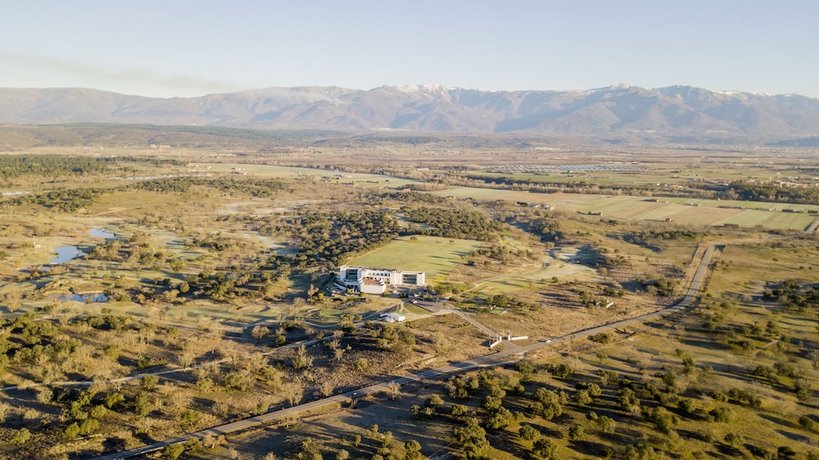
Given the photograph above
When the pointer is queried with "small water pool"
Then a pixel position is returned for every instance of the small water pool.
(101, 233)
(93, 297)
(66, 253)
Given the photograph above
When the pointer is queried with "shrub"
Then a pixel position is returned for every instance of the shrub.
(802, 389)
(662, 418)
(310, 449)
(499, 419)
(719, 396)
(594, 390)
(412, 450)
(606, 424)
(149, 382)
(492, 403)
(21, 437)
(785, 452)
(72, 431)
(434, 401)
(545, 449)
(173, 451)
(472, 437)
(807, 423)
(459, 410)
(602, 338)
(629, 401)
(689, 407)
(547, 404)
(744, 398)
(734, 439)
(98, 412)
(721, 414)
(528, 433)
(114, 399)
(575, 432)
(526, 369)
(89, 426)
(761, 452)
(561, 370)
(582, 398)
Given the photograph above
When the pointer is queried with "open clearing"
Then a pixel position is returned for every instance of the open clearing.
(527, 280)
(433, 255)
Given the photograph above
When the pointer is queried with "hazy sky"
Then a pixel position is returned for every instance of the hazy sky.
(193, 47)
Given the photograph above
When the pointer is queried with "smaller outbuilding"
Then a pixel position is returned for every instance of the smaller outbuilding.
(393, 317)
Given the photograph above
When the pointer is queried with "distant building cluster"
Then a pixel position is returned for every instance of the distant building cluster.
(535, 169)
(378, 280)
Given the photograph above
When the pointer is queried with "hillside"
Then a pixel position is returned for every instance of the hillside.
(676, 114)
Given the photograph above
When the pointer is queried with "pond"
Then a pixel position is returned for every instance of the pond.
(92, 297)
(67, 253)
(101, 233)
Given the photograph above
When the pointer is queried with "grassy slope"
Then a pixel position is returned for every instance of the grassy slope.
(433, 255)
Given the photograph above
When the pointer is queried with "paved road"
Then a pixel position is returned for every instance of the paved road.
(499, 358)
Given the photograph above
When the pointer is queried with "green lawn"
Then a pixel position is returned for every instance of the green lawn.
(433, 255)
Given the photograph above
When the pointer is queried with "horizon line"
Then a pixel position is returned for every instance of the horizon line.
(420, 86)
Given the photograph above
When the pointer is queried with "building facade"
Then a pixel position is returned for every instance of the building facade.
(378, 280)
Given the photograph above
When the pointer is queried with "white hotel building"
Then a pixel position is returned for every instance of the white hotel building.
(377, 280)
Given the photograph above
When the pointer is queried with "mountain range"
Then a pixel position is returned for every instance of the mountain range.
(675, 113)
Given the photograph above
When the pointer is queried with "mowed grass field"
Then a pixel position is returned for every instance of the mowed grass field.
(678, 210)
(527, 280)
(433, 255)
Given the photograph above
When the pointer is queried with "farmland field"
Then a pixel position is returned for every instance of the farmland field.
(433, 255)
(646, 175)
(679, 210)
(766, 219)
(272, 171)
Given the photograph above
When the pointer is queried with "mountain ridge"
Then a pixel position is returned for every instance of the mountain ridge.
(614, 111)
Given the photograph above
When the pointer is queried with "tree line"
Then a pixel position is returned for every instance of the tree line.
(454, 222)
(323, 239)
(72, 200)
(61, 165)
